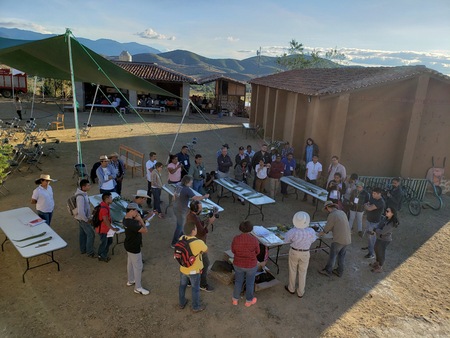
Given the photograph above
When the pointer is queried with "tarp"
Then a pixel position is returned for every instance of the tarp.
(49, 58)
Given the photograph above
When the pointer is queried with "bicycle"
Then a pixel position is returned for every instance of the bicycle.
(414, 204)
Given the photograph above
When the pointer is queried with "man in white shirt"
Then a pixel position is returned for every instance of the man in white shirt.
(312, 174)
(43, 198)
(335, 167)
(106, 175)
(150, 166)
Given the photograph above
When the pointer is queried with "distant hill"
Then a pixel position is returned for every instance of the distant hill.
(101, 46)
(199, 66)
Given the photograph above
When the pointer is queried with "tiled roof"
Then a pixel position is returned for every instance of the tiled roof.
(216, 77)
(323, 81)
(154, 72)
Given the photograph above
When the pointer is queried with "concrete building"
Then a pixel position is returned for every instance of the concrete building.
(380, 121)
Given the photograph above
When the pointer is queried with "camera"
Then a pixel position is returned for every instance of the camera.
(214, 212)
(202, 176)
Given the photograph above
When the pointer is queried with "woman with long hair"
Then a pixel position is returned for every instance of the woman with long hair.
(384, 237)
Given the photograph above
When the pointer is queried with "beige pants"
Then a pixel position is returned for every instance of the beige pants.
(260, 184)
(298, 261)
(274, 184)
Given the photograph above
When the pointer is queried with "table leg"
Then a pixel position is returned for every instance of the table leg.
(317, 207)
(37, 266)
(170, 203)
(117, 243)
(259, 208)
(6, 238)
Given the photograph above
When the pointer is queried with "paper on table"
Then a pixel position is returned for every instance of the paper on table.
(110, 233)
(272, 238)
(260, 231)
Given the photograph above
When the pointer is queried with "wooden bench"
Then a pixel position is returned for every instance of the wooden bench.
(132, 159)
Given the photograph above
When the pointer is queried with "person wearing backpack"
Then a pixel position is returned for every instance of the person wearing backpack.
(193, 272)
(82, 215)
(134, 228)
(105, 216)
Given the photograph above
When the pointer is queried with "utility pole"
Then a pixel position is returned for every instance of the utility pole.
(258, 52)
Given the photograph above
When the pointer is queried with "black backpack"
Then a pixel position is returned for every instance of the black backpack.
(183, 253)
(96, 221)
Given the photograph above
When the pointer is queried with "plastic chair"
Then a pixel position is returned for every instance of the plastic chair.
(53, 149)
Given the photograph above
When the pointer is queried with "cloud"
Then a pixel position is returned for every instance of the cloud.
(25, 25)
(230, 38)
(247, 51)
(151, 34)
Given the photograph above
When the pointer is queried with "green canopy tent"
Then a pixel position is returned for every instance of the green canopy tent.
(61, 58)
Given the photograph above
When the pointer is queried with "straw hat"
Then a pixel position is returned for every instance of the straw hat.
(301, 220)
(104, 158)
(113, 155)
(141, 193)
(329, 204)
(43, 178)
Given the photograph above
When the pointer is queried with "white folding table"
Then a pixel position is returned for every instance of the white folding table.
(13, 223)
(244, 191)
(309, 188)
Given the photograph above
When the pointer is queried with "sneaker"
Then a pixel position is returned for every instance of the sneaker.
(377, 269)
(337, 273)
(130, 283)
(92, 255)
(142, 291)
(247, 304)
(323, 272)
(106, 260)
(369, 256)
(200, 309)
(365, 248)
(172, 246)
(207, 288)
(287, 289)
(161, 216)
(235, 302)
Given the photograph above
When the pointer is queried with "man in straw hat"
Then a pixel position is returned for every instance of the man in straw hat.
(106, 176)
(140, 198)
(43, 198)
(134, 228)
(337, 222)
(301, 238)
(120, 171)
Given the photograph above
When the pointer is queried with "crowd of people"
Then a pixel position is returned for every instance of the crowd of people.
(347, 201)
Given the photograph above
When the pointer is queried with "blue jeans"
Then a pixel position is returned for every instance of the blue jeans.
(181, 219)
(47, 216)
(105, 242)
(249, 275)
(339, 251)
(195, 286)
(380, 250)
(197, 185)
(118, 188)
(156, 192)
(371, 238)
(87, 236)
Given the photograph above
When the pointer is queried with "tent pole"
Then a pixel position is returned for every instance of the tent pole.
(93, 102)
(34, 92)
(12, 80)
(75, 112)
(184, 115)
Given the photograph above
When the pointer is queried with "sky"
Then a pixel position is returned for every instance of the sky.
(369, 33)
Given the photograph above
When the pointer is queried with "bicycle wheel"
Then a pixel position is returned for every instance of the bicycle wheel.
(414, 206)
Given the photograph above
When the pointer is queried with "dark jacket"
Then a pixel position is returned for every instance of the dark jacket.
(341, 191)
(224, 163)
(94, 171)
(267, 157)
(363, 198)
(384, 230)
(315, 151)
(237, 160)
(181, 158)
(239, 173)
(396, 198)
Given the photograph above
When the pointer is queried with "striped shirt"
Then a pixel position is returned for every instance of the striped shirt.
(300, 238)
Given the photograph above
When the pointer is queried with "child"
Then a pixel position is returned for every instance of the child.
(156, 189)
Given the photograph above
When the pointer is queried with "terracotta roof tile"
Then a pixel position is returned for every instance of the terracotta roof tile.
(216, 77)
(154, 72)
(324, 81)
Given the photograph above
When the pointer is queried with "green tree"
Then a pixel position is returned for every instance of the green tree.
(5, 155)
(296, 58)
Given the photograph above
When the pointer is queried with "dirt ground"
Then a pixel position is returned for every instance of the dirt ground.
(88, 298)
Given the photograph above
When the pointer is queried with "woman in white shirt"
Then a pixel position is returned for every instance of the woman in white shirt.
(261, 175)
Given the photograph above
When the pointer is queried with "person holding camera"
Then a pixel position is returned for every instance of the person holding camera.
(175, 168)
(198, 172)
(195, 209)
(261, 175)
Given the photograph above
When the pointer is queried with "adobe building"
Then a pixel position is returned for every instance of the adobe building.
(379, 121)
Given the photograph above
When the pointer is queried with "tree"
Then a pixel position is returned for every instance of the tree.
(296, 58)
(6, 154)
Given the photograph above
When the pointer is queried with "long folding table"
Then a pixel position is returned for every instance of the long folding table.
(309, 188)
(118, 212)
(272, 241)
(45, 240)
(244, 191)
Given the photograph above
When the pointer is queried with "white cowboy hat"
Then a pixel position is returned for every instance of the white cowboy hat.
(141, 193)
(104, 158)
(301, 220)
(43, 177)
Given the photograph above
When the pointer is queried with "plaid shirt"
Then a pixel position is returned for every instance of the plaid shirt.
(245, 248)
(300, 238)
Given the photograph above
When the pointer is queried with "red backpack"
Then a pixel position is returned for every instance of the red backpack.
(183, 253)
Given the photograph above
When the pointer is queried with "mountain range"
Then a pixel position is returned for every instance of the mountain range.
(182, 61)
